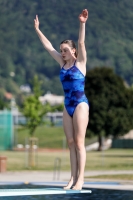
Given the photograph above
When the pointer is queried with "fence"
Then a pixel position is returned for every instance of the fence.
(122, 143)
(6, 130)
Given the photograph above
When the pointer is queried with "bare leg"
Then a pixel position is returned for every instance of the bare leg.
(80, 121)
(69, 131)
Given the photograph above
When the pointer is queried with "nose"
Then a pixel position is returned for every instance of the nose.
(62, 53)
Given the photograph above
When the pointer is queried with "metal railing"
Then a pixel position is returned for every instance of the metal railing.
(57, 167)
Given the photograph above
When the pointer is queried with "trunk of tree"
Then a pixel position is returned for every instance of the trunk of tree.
(100, 142)
(32, 152)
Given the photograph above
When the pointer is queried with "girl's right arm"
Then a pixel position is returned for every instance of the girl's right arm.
(47, 44)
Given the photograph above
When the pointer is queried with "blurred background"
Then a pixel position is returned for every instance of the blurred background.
(31, 95)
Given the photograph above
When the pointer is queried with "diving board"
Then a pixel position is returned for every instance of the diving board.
(40, 191)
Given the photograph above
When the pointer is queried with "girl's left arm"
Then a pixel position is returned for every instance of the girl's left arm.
(82, 58)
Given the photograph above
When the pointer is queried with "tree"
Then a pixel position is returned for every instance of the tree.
(3, 102)
(34, 111)
(109, 35)
(111, 103)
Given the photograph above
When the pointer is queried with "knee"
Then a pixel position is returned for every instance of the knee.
(71, 143)
(79, 145)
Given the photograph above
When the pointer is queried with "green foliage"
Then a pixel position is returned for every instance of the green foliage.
(111, 103)
(109, 38)
(3, 104)
(59, 107)
(33, 109)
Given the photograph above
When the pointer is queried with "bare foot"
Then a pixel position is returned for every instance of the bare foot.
(78, 185)
(70, 184)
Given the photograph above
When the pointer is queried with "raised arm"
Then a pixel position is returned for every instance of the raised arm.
(81, 41)
(47, 44)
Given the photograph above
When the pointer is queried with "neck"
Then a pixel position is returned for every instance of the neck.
(70, 62)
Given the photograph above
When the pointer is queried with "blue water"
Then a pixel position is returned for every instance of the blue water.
(97, 194)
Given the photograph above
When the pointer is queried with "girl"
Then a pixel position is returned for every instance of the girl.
(76, 109)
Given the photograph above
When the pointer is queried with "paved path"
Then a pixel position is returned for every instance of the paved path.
(47, 178)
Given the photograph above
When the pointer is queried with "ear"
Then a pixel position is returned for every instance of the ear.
(73, 50)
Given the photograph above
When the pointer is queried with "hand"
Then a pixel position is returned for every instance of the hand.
(36, 23)
(83, 16)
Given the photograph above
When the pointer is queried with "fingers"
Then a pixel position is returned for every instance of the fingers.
(36, 22)
(85, 13)
(37, 17)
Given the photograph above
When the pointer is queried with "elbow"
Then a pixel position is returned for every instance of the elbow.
(81, 43)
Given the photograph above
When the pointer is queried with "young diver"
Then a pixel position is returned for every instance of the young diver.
(76, 108)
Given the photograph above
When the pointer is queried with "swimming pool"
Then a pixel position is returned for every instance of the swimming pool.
(97, 194)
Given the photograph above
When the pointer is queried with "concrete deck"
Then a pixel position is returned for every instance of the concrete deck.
(46, 178)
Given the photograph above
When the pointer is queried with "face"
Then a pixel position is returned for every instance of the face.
(66, 51)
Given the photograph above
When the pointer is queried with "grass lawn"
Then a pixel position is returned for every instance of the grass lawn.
(112, 159)
(48, 137)
(53, 138)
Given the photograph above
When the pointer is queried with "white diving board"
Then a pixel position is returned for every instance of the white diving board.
(40, 191)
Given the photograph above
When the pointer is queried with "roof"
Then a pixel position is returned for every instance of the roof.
(52, 99)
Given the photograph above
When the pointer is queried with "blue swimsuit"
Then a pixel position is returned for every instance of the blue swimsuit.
(73, 82)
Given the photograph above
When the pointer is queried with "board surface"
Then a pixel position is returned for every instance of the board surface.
(42, 191)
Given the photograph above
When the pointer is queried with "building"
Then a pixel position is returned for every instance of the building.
(52, 99)
(25, 88)
(55, 118)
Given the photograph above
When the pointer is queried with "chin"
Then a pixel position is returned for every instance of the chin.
(65, 59)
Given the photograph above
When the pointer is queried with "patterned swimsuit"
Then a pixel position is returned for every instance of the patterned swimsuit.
(73, 82)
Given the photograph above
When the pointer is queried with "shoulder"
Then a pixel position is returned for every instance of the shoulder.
(81, 66)
(62, 63)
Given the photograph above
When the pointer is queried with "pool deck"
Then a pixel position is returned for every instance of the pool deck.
(47, 178)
